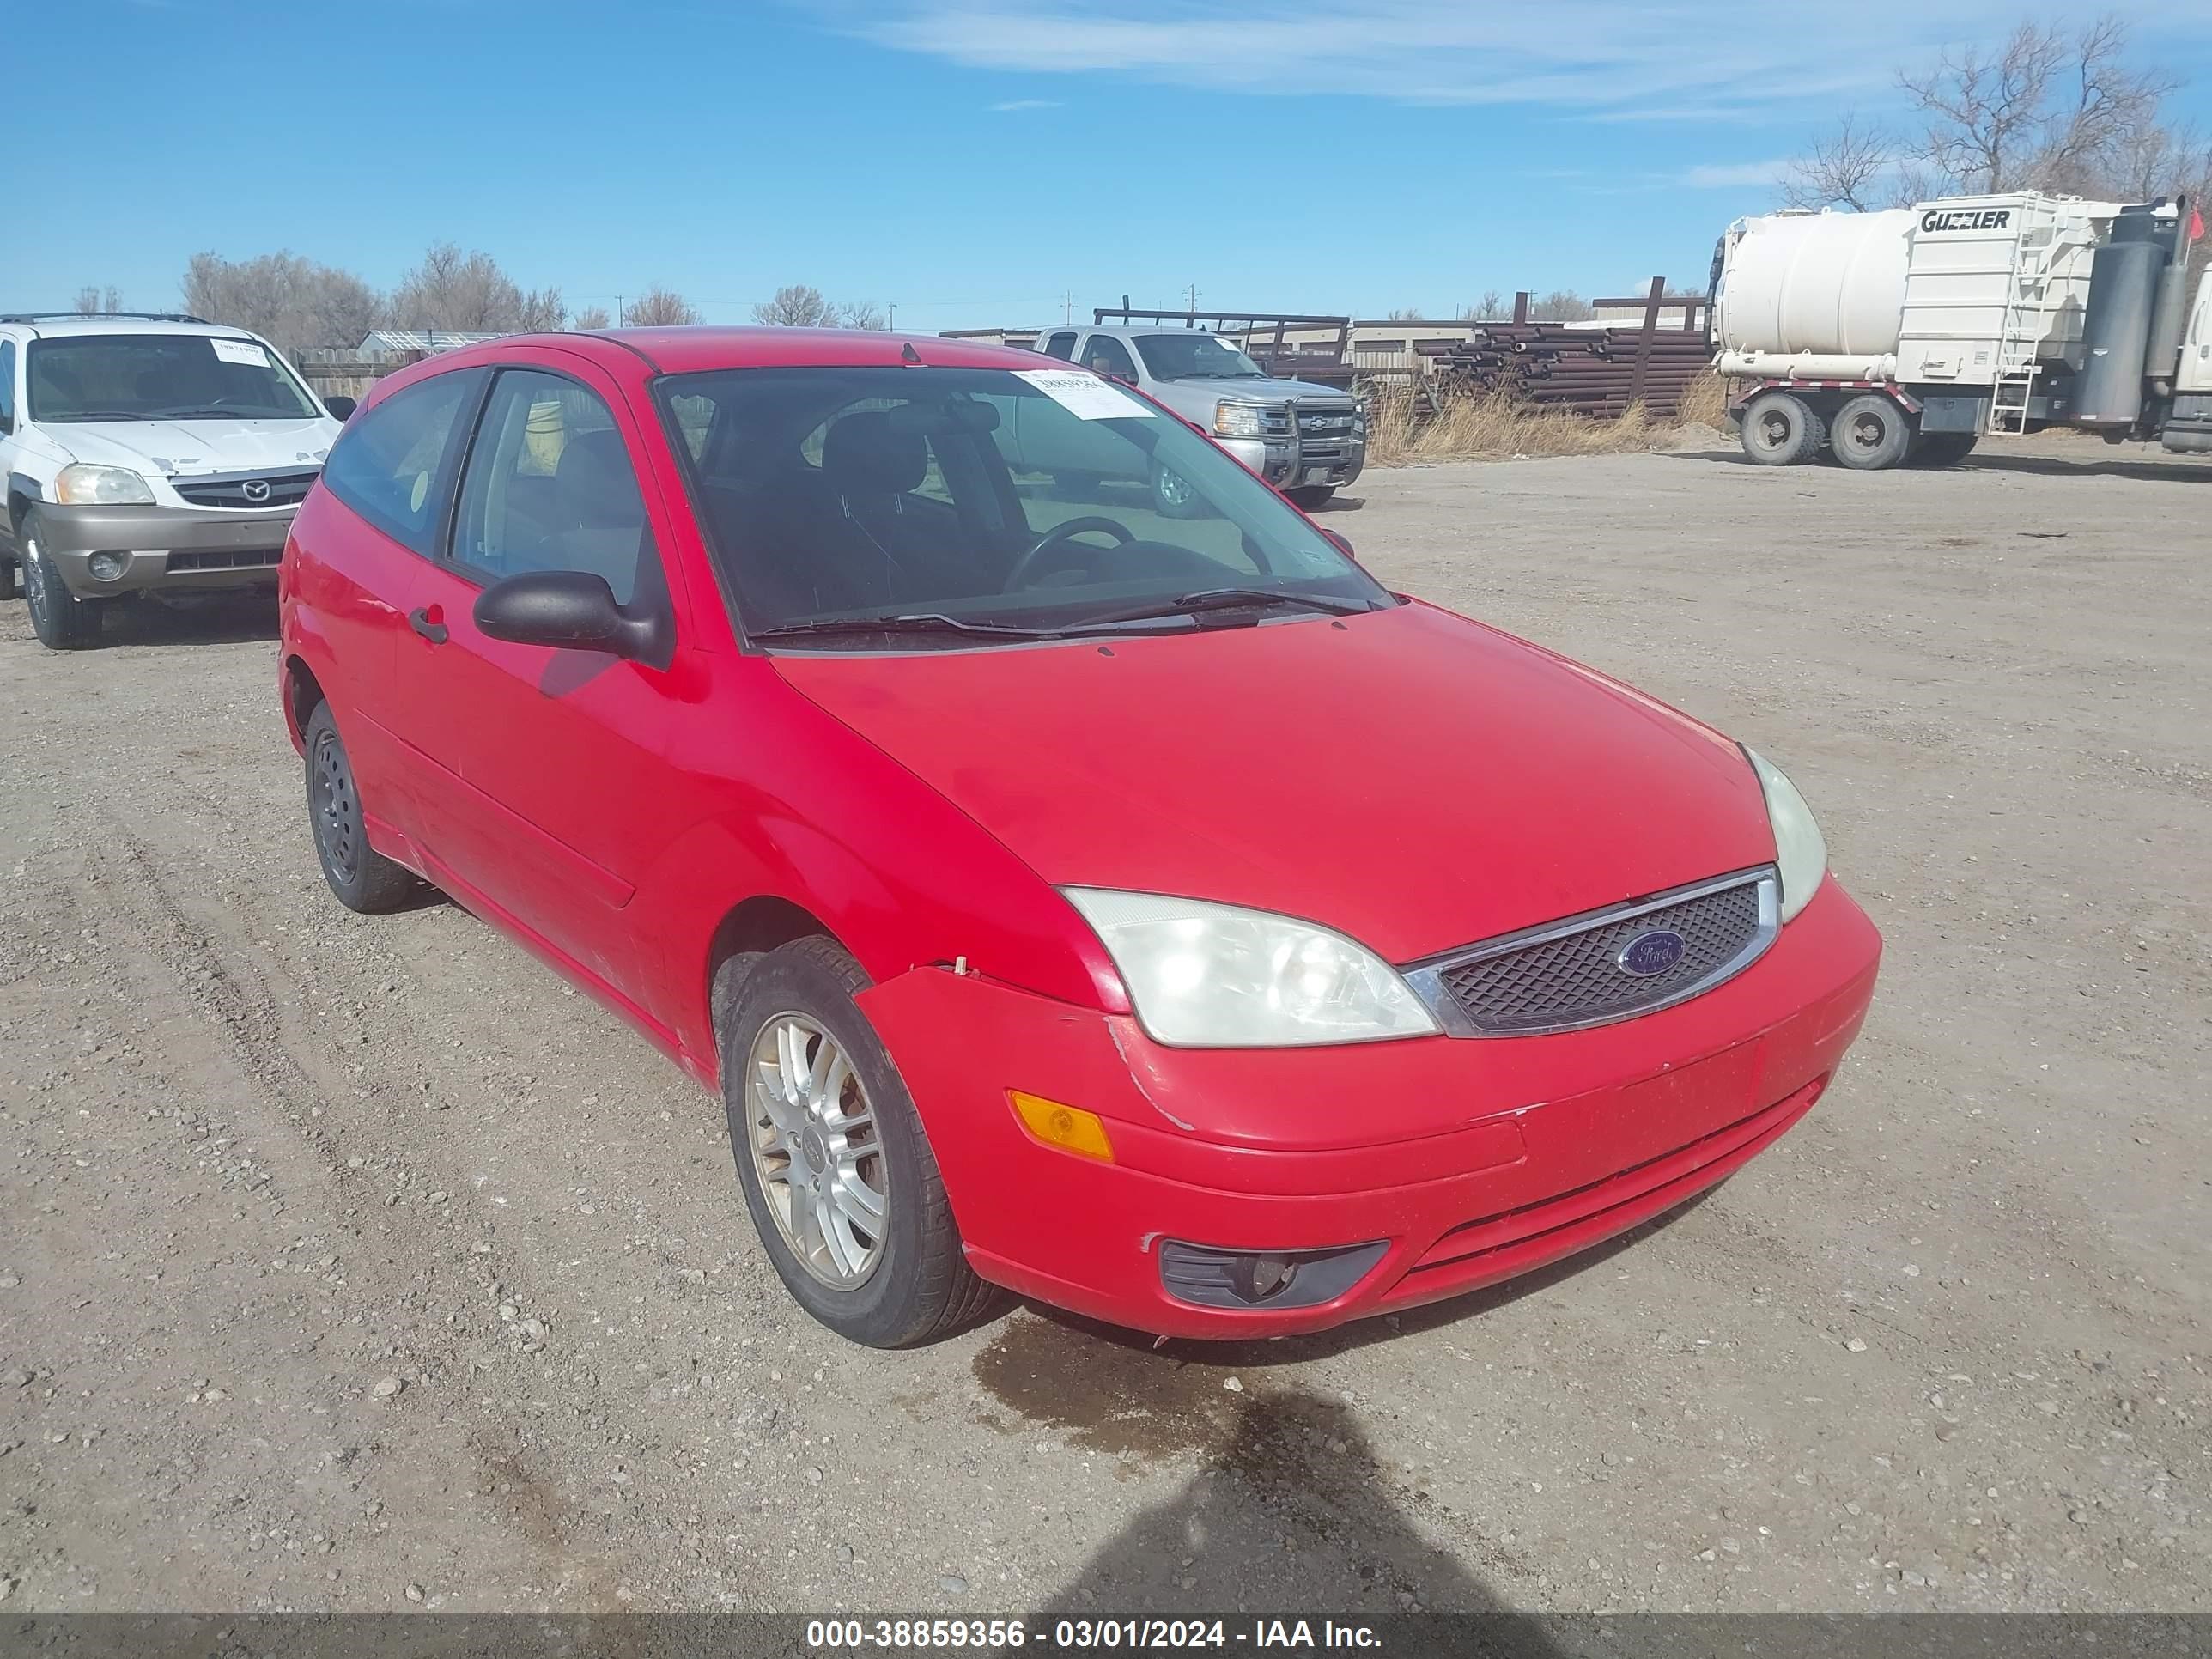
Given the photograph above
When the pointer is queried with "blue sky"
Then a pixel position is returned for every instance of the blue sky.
(972, 161)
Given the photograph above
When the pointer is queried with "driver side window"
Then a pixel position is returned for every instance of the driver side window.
(1107, 356)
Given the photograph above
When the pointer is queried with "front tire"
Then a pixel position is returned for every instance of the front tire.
(1779, 429)
(1172, 496)
(1871, 433)
(362, 879)
(62, 621)
(1940, 449)
(1309, 498)
(836, 1171)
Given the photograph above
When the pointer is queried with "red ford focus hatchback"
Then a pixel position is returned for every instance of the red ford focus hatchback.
(1076, 874)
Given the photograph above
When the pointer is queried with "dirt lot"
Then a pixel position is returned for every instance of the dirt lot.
(355, 1264)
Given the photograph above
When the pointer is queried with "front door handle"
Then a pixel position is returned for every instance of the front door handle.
(427, 626)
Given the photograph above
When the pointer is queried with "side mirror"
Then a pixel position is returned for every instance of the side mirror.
(341, 407)
(1343, 544)
(566, 610)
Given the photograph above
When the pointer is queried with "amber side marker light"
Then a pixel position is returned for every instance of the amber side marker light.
(1069, 1128)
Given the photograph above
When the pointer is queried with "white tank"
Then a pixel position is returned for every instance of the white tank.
(1825, 285)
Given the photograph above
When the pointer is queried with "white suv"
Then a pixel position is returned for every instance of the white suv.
(147, 453)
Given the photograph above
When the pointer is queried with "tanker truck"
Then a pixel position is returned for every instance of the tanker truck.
(1906, 336)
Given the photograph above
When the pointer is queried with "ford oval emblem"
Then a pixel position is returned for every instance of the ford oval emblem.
(1650, 953)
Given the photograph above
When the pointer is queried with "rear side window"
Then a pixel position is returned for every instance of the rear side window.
(7, 385)
(393, 465)
(1061, 346)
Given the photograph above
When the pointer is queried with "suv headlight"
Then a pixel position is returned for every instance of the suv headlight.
(1800, 853)
(84, 485)
(1206, 976)
(1238, 420)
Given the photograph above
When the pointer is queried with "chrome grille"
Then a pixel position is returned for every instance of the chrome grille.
(1568, 974)
(286, 489)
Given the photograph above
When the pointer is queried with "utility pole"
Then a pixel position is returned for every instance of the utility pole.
(618, 311)
(1067, 306)
(1194, 302)
(894, 317)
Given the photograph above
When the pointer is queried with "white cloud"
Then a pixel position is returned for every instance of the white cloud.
(1650, 60)
(1013, 104)
(1730, 175)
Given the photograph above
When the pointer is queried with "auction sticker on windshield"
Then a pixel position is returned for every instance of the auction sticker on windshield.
(240, 351)
(1085, 396)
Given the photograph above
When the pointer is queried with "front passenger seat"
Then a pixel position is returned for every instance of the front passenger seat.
(598, 518)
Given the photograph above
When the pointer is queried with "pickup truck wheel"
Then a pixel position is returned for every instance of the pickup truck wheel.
(1172, 496)
(1871, 433)
(836, 1169)
(1779, 429)
(62, 621)
(1309, 498)
(1941, 448)
(363, 878)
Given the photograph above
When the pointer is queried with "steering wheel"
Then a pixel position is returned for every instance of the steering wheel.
(1061, 532)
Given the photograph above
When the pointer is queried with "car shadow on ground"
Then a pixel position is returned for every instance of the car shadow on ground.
(1292, 1514)
(1986, 459)
(194, 619)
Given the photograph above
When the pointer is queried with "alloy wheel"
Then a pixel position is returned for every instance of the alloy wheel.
(817, 1150)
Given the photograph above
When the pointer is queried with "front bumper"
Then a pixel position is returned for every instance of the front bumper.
(1472, 1160)
(1284, 464)
(163, 547)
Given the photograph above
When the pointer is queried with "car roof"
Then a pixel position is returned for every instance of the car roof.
(50, 328)
(1132, 330)
(692, 350)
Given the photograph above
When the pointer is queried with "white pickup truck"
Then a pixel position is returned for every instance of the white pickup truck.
(1307, 440)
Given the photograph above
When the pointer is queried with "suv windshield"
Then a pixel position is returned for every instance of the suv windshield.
(945, 503)
(1190, 355)
(150, 377)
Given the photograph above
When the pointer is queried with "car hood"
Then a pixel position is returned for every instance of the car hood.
(1411, 778)
(184, 449)
(1261, 392)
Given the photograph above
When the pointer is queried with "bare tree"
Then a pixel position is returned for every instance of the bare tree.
(592, 316)
(660, 307)
(1488, 308)
(1403, 314)
(1562, 305)
(1855, 168)
(797, 305)
(468, 293)
(2045, 110)
(92, 301)
(293, 301)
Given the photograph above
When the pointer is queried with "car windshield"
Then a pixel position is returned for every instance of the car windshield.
(940, 505)
(152, 377)
(1191, 355)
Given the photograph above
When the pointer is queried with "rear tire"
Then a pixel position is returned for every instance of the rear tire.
(1938, 449)
(1310, 498)
(1779, 429)
(363, 878)
(871, 1250)
(62, 621)
(1871, 433)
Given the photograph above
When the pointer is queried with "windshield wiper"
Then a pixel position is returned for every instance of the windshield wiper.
(1228, 599)
(99, 415)
(927, 622)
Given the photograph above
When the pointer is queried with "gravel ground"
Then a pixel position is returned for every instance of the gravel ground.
(358, 1264)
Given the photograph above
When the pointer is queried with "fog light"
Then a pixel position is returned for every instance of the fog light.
(106, 566)
(1252, 1278)
(1067, 1128)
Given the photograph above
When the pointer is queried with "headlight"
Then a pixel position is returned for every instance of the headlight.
(100, 486)
(1800, 852)
(1238, 420)
(1213, 976)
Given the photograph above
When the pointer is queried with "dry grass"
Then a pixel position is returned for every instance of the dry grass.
(1493, 425)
